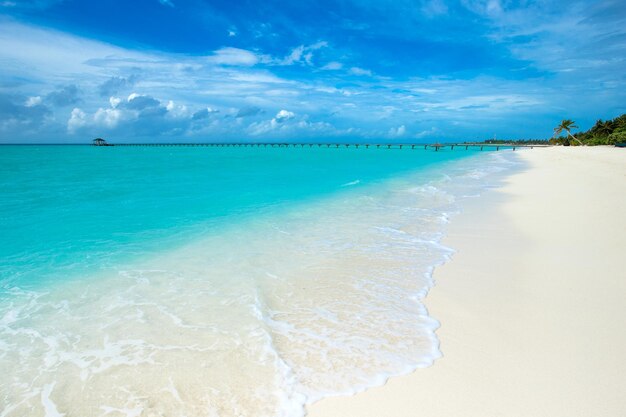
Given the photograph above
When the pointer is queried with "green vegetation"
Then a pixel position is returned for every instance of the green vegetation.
(604, 132)
(565, 126)
(517, 141)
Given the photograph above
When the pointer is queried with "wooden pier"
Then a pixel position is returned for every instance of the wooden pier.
(434, 146)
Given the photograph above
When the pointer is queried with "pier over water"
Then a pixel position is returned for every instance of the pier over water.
(425, 146)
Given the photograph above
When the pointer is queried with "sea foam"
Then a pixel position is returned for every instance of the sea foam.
(258, 320)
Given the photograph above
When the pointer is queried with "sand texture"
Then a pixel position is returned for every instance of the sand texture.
(532, 306)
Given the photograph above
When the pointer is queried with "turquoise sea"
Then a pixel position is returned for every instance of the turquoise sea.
(205, 281)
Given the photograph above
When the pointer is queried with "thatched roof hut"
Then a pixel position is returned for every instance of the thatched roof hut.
(100, 142)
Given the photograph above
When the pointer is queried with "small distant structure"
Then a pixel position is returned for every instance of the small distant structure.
(100, 142)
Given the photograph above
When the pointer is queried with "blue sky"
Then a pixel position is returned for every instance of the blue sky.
(407, 71)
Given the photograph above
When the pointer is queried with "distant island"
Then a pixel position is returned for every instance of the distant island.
(607, 132)
(517, 141)
(604, 132)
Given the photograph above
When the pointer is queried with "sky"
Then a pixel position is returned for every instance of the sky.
(345, 70)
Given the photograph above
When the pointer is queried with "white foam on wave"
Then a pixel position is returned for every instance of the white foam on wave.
(127, 412)
(324, 300)
(348, 184)
(49, 407)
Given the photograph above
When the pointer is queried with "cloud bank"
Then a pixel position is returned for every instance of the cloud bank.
(368, 84)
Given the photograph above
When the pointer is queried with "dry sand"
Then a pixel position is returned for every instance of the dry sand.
(532, 306)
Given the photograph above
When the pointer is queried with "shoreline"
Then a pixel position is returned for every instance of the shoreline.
(227, 302)
(525, 330)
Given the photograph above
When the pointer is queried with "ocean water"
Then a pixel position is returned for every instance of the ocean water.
(219, 281)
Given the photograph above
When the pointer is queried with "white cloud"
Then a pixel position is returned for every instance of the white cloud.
(302, 54)
(360, 71)
(396, 132)
(174, 87)
(294, 56)
(177, 110)
(584, 38)
(107, 117)
(257, 77)
(33, 101)
(77, 119)
(278, 122)
(167, 3)
(114, 101)
(432, 132)
(34, 53)
(280, 118)
(284, 115)
(233, 56)
(333, 66)
(285, 124)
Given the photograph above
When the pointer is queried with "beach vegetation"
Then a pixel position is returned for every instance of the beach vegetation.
(618, 136)
(566, 126)
(603, 132)
(517, 141)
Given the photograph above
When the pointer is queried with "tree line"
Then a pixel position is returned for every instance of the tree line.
(604, 132)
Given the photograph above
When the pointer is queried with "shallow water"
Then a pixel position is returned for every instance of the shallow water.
(219, 282)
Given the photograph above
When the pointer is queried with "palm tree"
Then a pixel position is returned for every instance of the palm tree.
(566, 125)
(604, 128)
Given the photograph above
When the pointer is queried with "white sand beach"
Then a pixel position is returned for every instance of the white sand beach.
(533, 304)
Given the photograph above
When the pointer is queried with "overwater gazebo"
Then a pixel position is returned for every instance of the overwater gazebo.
(100, 142)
